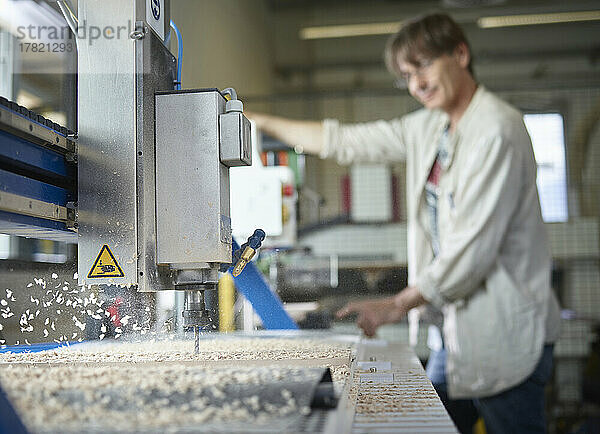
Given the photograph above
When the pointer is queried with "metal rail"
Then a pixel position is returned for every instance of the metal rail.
(32, 207)
(21, 121)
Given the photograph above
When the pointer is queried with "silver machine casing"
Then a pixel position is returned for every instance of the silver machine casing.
(125, 182)
(193, 225)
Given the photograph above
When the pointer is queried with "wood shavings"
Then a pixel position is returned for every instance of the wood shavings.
(174, 350)
(74, 393)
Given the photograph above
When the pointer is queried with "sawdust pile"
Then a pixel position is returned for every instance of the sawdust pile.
(163, 386)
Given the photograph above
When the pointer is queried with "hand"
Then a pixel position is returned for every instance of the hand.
(372, 313)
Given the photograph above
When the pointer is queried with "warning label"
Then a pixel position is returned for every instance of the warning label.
(105, 265)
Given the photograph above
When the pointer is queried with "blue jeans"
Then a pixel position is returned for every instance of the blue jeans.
(462, 411)
(519, 409)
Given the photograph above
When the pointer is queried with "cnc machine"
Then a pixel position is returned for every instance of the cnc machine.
(143, 188)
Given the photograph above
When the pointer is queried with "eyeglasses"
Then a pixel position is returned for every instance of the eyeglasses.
(420, 71)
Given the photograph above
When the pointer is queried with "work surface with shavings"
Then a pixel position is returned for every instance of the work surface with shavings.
(237, 383)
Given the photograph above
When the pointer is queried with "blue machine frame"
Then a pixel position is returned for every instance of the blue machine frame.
(38, 175)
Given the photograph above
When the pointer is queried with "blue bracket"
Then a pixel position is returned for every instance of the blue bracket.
(10, 423)
(252, 284)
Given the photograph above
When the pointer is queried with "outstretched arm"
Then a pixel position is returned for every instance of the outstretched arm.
(304, 136)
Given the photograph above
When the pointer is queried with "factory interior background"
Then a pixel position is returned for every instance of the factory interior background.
(338, 233)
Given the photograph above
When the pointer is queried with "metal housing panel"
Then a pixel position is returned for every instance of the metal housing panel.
(156, 72)
(192, 186)
(236, 149)
(107, 141)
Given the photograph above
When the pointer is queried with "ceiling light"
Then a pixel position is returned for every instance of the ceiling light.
(349, 30)
(27, 99)
(532, 19)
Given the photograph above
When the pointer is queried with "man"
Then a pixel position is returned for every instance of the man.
(477, 247)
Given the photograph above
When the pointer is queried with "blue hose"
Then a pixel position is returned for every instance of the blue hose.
(34, 348)
(179, 54)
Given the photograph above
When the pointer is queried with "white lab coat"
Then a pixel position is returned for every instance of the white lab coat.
(492, 277)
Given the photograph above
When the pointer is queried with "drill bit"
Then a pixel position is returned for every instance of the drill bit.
(196, 340)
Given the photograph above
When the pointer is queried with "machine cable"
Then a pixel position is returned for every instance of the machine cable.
(179, 54)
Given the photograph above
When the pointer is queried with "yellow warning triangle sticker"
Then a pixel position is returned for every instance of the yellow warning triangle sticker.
(105, 265)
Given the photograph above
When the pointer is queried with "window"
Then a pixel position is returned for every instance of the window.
(4, 246)
(547, 135)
